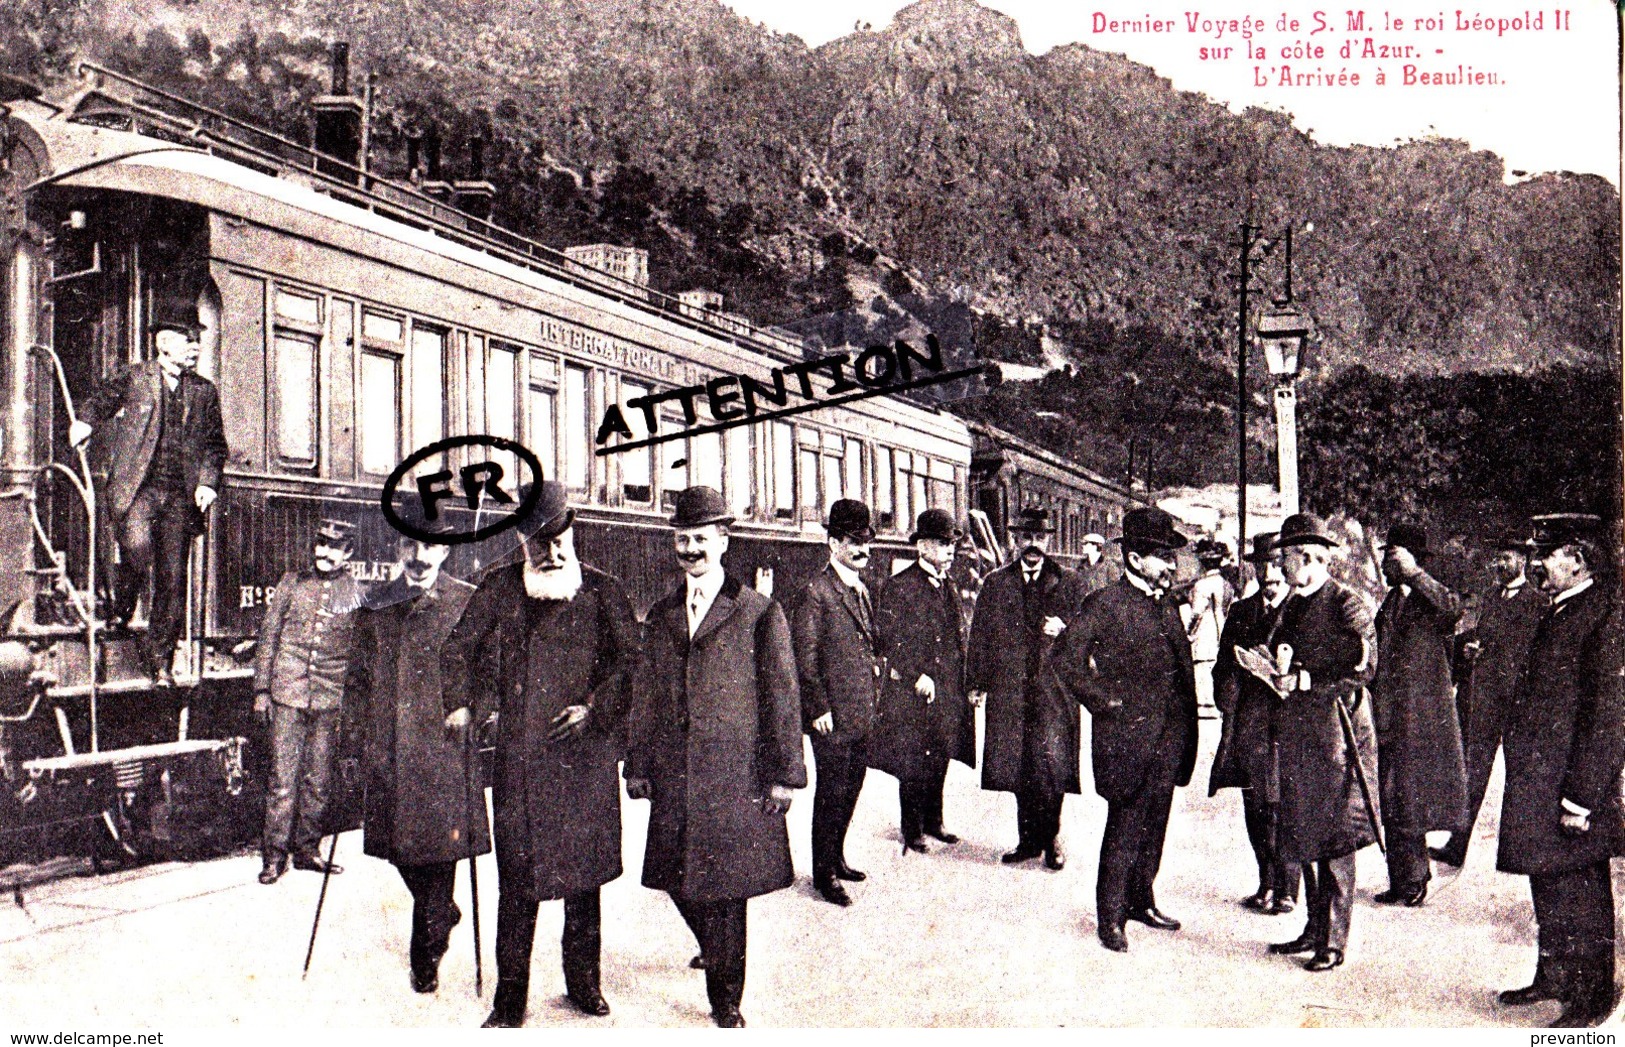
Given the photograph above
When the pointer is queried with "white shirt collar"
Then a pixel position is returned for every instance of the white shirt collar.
(707, 585)
(930, 571)
(1142, 585)
(847, 575)
(1515, 586)
(1572, 591)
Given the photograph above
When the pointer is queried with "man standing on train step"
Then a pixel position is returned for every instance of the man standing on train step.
(923, 719)
(157, 471)
(1126, 658)
(714, 741)
(423, 812)
(838, 655)
(1032, 743)
(302, 659)
(548, 644)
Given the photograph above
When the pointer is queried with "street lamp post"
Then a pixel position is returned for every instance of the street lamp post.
(1283, 330)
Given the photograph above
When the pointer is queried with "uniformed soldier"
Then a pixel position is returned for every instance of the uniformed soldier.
(304, 653)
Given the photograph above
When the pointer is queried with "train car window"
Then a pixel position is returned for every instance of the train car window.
(854, 471)
(784, 471)
(501, 404)
(920, 489)
(832, 475)
(636, 484)
(576, 467)
(808, 497)
(379, 419)
(540, 435)
(382, 328)
(674, 467)
(300, 308)
(295, 399)
(705, 464)
(428, 371)
(468, 402)
(961, 485)
(741, 470)
(885, 510)
(906, 512)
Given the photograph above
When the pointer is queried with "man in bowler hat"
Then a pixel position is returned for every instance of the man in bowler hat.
(924, 719)
(549, 645)
(1126, 658)
(838, 655)
(1031, 748)
(715, 744)
(1419, 757)
(1561, 821)
(158, 468)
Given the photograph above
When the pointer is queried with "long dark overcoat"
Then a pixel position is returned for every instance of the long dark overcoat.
(716, 722)
(837, 656)
(125, 409)
(921, 634)
(1565, 739)
(1244, 759)
(423, 802)
(1419, 752)
(1029, 730)
(1125, 657)
(1321, 812)
(557, 804)
(1506, 629)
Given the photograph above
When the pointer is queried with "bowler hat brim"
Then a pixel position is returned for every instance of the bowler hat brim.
(1286, 541)
(549, 529)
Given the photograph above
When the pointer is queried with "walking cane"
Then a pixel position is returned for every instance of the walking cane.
(327, 874)
(473, 867)
(1359, 771)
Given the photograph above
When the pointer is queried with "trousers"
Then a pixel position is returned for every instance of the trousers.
(1574, 916)
(1273, 874)
(434, 914)
(1131, 849)
(719, 927)
(1407, 858)
(155, 537)
(1038, 816)
(582, 941)
(920, 800)
(1328, 887)
(841, 767)
(301, 768)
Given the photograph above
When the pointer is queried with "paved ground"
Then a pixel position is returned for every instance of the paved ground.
(948, 939)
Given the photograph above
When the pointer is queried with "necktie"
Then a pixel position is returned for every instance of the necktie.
(863, 602)
(693, 612)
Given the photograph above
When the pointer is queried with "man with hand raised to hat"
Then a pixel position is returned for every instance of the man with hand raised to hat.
(1126, 658)
(157, 470)
(1031, 748)
(838, 655)
(1246, 758)
(303, 656)
(1494, 650)
(548, 644)
(714, 743)
(1419, 756)
(1561, 820)
(422, 812)
(923, 719)
(1327, 757)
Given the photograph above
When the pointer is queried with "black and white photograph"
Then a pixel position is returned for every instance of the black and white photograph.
(687, 514)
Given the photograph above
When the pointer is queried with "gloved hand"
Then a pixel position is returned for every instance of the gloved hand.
(638, 789)
(778, 799)
(569, 723)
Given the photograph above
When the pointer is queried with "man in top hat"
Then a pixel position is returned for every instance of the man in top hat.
(1419, 757)
(1246, 758)
(549, 645)
(1210, 598)
(1327, 747)
(838, 654)
(1494, 651)
(423, 809)
(158, 467)
(1031, 748)
(715, 742)
(924, 719)
(1126, 658)
(301, 663)
(1565, 745)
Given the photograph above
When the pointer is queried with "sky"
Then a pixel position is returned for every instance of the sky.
(1541, 84)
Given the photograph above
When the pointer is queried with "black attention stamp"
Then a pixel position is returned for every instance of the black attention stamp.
(481, 483)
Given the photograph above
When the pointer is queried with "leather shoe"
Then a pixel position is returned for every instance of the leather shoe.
(698, 963)
(425, 981)
(274, 867)
(1054, 858)
(1447, 856)
(1282, 905)
(1019, 855)
(501, 1020)
(1258, 901)
(1584, 1011)
(917, 846)
(831, 890)
(849, 874)
(1300, 944)
(315, 864)
(1416, 897)
(589, 1003)
(1151, 917)
(942, 834)
(1114, 939)
(729, 1019)
(1392, 896)
(1324, 960)
(1528, 994)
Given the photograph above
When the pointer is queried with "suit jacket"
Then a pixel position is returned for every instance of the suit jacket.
(1565, 739)
(306, 638)
(838, 656)
(1032, 735)
(715, 723)
(921, 634)
(557, 804)
(423, 801)
(1505, 631)
(1125, 657)
(1245, 755)
(126, 408)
